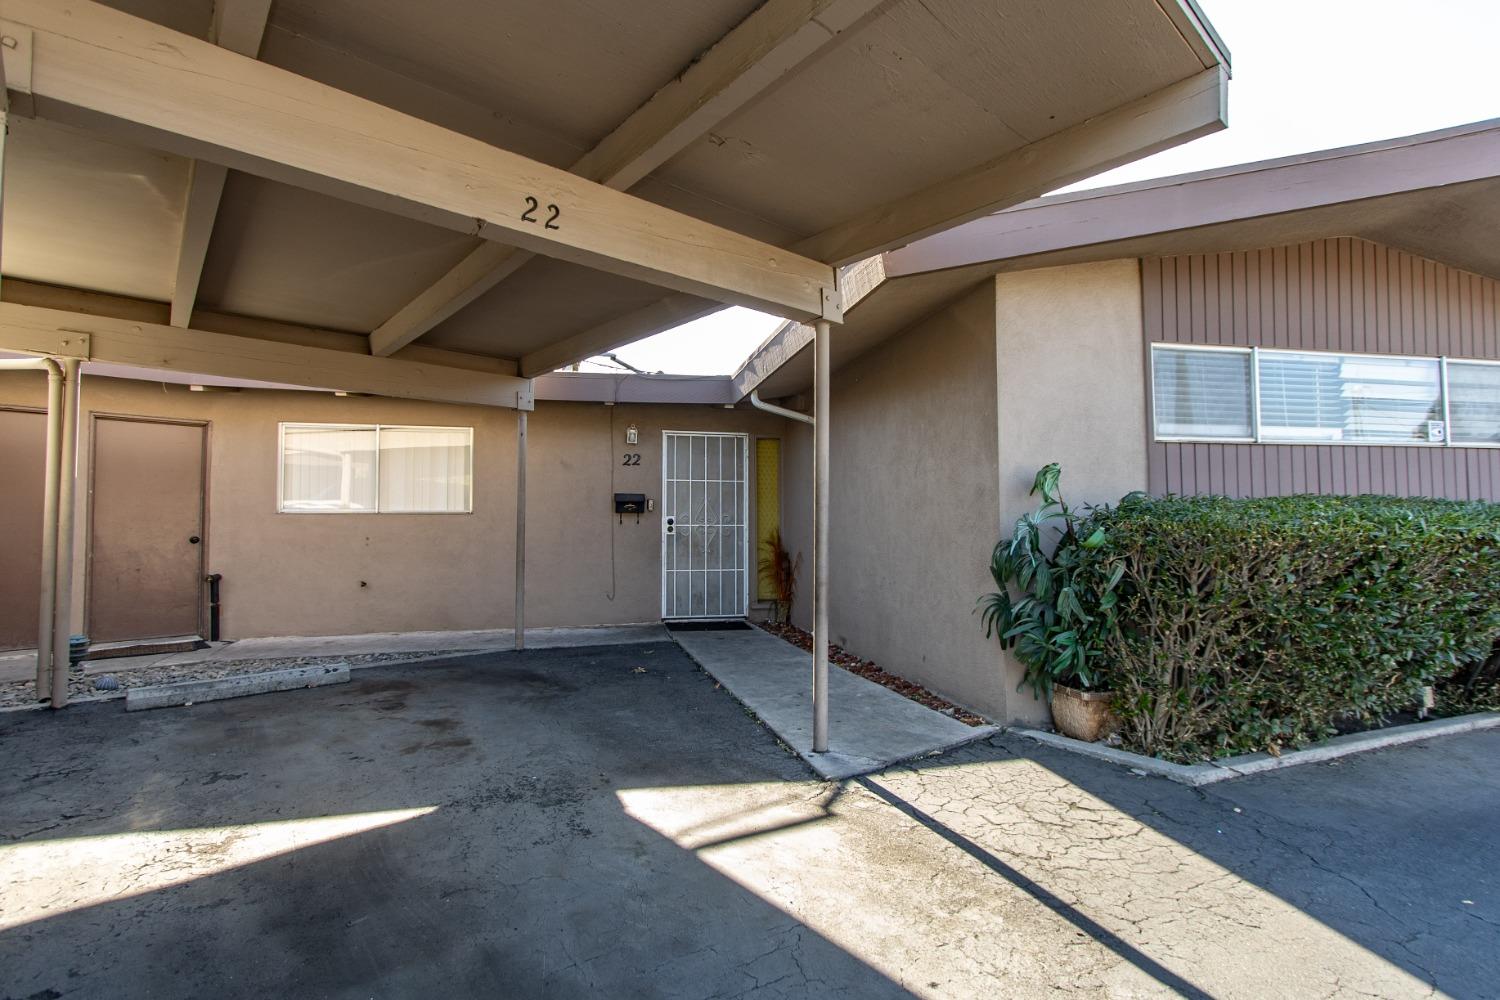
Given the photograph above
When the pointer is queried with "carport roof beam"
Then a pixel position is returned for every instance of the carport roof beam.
(253, 116)
(61, 333)
(772, 41)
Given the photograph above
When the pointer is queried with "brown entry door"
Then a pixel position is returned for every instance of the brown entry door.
(146, 531)
(23, 468)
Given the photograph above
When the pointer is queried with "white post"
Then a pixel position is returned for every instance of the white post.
(820, 537)
(48, 594)
(520, 529)
(63, 605)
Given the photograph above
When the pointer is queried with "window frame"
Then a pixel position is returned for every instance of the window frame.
(1206, 349)
(1260, 435)
(1257, 425)
(281, 427)
(1447, 402)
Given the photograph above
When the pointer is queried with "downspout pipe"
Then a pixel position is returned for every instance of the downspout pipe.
(46, 598)
(29, 364)
(780, 411)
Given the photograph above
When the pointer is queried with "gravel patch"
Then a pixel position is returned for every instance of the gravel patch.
(103, 687)
(867, 669)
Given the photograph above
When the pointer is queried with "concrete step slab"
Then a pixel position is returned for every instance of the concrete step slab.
(237, 686)
(870, 727)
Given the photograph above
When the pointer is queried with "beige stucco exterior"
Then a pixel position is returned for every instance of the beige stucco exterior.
(936, 437)
(325, 574)
(1070, 371)
(914, 504)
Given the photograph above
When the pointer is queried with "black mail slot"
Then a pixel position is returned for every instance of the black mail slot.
(630, 503)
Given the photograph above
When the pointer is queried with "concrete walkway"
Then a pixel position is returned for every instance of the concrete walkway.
(870, 727)
(21, 664)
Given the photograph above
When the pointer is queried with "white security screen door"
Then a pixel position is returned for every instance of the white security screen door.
(705, 564)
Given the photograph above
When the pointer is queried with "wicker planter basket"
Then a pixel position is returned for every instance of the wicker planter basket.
(1083, 715)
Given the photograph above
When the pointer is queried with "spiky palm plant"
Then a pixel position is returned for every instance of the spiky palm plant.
(778, 570)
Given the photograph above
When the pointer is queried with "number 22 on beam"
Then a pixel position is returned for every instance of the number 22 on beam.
(553, 213)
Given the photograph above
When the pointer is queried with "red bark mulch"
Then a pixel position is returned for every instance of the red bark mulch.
(870, 672)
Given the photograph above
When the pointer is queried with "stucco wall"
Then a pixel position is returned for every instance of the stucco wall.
(1072, 388)
(913, 504)
(300, 574)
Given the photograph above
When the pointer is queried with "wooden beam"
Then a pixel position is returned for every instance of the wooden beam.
(855, 282)
(19, 68)
(16, 72)
(34, 330)
(674, 310)
(776, 38)
(250, 115)
(1171, 116)
(1197, 31)
(484, 268)
(239, 26)
(199, 210)
(77, 300)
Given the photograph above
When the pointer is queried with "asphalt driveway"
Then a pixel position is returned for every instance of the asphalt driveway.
(605, 822)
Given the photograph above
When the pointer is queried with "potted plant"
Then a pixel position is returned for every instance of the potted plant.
(1061, 620)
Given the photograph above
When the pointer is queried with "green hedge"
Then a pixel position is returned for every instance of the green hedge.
(1259, 624)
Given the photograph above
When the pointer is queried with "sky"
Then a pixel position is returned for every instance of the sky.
(1308, 75)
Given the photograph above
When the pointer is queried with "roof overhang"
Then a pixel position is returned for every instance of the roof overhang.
(454, 172)
(1395, 189)
(1436, 195)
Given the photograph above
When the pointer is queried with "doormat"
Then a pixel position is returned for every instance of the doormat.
(724, 626)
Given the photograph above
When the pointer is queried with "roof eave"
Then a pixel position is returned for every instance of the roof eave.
(1110, 216)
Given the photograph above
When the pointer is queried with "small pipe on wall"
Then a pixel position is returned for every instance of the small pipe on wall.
(780, 411)
(214, 605)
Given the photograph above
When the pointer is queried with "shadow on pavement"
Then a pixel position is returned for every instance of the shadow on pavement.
(478, 847)
(1391, 850)
(603, 821)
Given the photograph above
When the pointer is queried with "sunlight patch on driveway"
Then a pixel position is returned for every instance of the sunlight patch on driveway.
(44, 878)
(1004, 876)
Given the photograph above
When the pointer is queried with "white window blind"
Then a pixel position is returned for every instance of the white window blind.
(1474, 402)
(327, 468)
(424, 469)
(342, 468)
(1347, 397)
(1201, 393)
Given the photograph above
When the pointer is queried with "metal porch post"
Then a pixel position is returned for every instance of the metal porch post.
(62, 618)
(820, 536)
(520, 529)
(48, 595)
